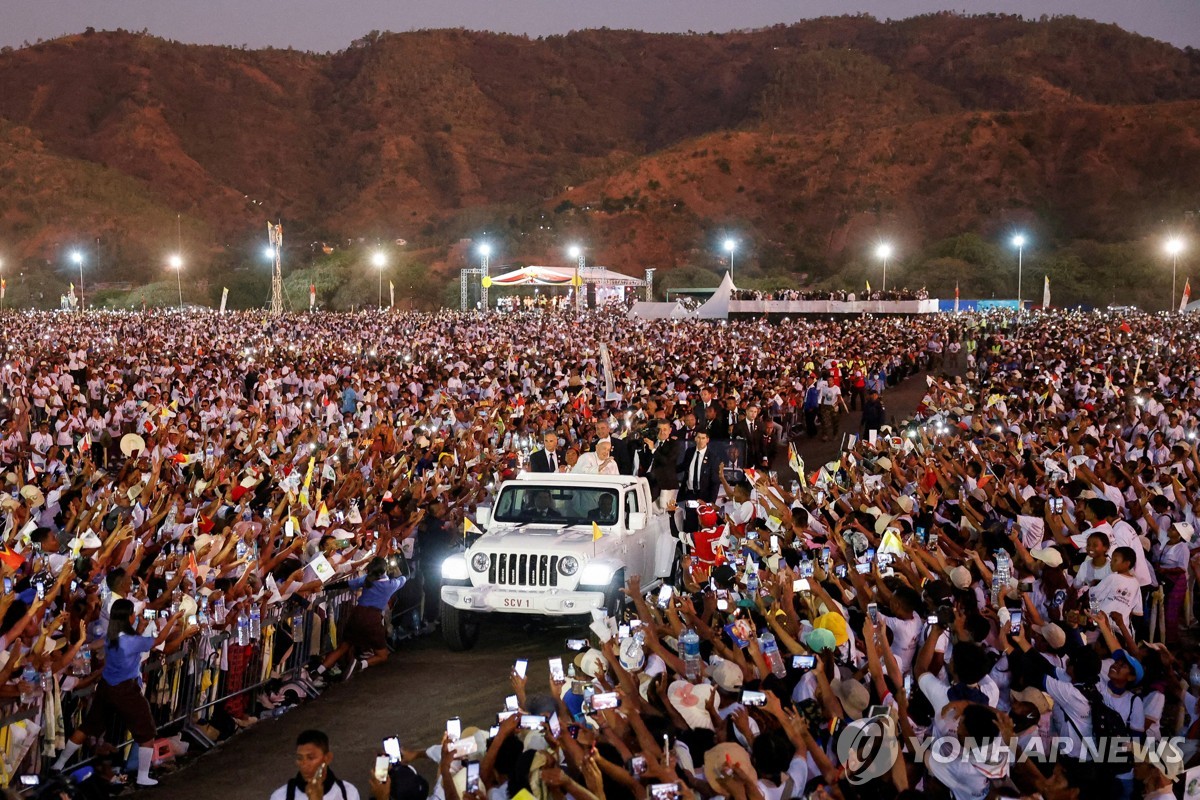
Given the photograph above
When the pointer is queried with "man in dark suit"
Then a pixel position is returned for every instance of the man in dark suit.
(722, 428)
(700, 480)
(707, 400)
(759, 436)
(546, 459)
(620, 448)
(661, 457)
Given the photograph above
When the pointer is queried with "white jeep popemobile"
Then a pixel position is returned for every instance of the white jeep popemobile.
(539, 554)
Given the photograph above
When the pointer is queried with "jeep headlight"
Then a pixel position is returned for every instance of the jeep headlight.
(480, 562)
(568, 565)
(454, 568)
(596, 575)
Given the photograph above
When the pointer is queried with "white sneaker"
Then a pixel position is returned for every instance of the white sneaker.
(146, 781)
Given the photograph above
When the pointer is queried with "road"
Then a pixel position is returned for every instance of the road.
(413, 694)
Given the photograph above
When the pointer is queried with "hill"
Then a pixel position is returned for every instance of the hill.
(808, 140)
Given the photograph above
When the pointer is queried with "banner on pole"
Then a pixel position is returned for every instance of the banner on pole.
(610, 385)
(224, 298)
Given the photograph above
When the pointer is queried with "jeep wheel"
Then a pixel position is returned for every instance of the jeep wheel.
(615, 600)
(460, 628)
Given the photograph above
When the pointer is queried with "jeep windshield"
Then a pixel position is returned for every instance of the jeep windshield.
(557, 505)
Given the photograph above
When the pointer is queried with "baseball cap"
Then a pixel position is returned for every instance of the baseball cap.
(819, 640)
(1054, 635)
(1138, 671)
(727, 676)
(835, 623)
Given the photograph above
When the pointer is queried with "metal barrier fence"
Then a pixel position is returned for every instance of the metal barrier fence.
(210, 683)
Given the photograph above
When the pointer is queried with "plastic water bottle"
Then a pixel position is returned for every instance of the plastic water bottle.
(770, 651)
(1000, 575)
(86, 667)
(202, 612)
(219, 611)
(47, 680)
(255, 623)
(29, 676)
(243, 629)
(690, 643)
(751, 579)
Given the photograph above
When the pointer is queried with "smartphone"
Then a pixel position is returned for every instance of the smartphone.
(932, 619)
(30, 780)
(510, 703)
(521, 667)
(803, 662)
(1014, 621)
(41, 591)
(826, 555)
(774, 543)
(503, 715)
(664, 791)
(556, 669)
(454, 728)
(862, 569)
(532, 722)
(806, 568)
(149, 613)
(722, 604)
(664, 595)
(840, 570)
(622, 631)
(391, 746)
(191, 620)
(753, 698)
(922, 533)
(873, 612)
(1056, 505)
(493, 731)
(381, 768)
(577, 645)
(604, 700)
(884, 559)
(573, 730)
(945, 616)
(870, 554)
(472, 776)
(908, 685)
(555, 726)
(637, 766)
(1025, 587)
(932, 539)
(800, 585)
(74, 586)
(8, 590)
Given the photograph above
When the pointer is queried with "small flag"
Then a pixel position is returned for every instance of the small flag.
(85, 443)
(1046, 293)
(470, 527)
(1187, 294)
(868, 288)
(312, 296)
(795, 461)
(596, 532)
(322, 515)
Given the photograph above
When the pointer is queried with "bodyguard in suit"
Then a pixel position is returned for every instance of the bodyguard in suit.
(547, 459)
(700, 480)
(661, 457)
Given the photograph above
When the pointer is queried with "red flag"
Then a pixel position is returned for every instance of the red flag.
(1125, 328)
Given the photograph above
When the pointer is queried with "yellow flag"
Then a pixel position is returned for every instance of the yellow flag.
(469, 527)
(596, 532)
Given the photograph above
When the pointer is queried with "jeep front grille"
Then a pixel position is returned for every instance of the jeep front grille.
(522, 569)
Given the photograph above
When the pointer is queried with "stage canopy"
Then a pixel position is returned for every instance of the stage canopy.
(563, 276)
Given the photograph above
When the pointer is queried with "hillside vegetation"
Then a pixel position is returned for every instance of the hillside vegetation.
(808, 142)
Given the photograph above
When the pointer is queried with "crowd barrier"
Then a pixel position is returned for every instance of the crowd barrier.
(199, 693)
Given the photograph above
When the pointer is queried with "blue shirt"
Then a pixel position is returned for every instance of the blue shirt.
(124, 662)
(378, 593)
(349, 401)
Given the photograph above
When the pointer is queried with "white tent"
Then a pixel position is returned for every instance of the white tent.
(672, 310)
(717, 306)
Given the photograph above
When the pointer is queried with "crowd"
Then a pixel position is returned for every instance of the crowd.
(837, 295)
(179, 483)
(1000, 570)
(992, 600)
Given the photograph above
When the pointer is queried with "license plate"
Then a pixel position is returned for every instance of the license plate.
(515, 602)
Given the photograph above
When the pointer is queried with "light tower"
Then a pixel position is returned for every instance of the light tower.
(1019, 242)
(275, 234)
(175, 262)
(576, 254)
(485, 251)
(1174, 247)
(77, 257)
(884, 253)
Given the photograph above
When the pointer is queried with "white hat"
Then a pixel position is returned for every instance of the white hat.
(691, 701)
(1049, 555)
(592, 663)
(1185, 530)
(906, 503)
(89, 541)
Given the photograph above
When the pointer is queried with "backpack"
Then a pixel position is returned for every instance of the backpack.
(1107, 723)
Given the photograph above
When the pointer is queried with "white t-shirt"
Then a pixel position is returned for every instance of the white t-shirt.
(333, 794)
(1119, 593)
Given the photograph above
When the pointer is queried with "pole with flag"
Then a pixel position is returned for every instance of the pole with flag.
(391, 295)
(956, 297)
(312, 296)
(795, 461)
(3, 288)
(868, 290)
(596, 534)
(1187, 294)
(224, 298)
(1046, 293)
